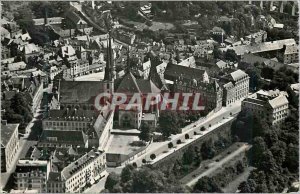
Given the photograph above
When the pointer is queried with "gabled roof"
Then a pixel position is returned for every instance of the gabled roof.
(147, 86)
(63, 136)
(128, 84)
(30, 48)
(16, 66)
(80, 91)
(174, 71)
(278, 101)
(74, 17)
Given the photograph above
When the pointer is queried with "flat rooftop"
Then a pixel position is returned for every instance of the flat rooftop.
(120, 144)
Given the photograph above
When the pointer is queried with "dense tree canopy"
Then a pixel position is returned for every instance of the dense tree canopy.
(206, 185)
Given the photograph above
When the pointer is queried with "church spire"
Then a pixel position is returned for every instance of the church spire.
(109, 68)
(109, 75)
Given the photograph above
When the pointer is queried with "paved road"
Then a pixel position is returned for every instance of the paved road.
(24, 145)
(23, 148)
(215, 120)
(98, 187)
(219, 164)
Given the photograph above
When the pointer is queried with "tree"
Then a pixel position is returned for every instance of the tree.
(259, 147)
(206, 185)
(126, 173)
(111, 181)
(152, 156)
(278, 151)
(254, 75)
(188, 156)
(267, 73)
(292, 158)
(145, 132)
(218, 53)
(231, 55)
(207, 150)
(148, 180)
(247, 186)
(169, 123)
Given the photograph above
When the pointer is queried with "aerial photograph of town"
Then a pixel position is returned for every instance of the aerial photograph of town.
(149, 96)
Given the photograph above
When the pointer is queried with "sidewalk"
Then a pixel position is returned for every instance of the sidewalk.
(98, 187)
(215, 120)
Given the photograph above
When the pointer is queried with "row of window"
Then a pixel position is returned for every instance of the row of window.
(67, 124)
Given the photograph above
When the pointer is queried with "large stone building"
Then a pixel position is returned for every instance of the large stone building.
(211, 93)
(60, 170)
(187, 74)
(9, 144)
(193, 80)
(86, 170)
(235, 86)
(130, 86)
(31, 175)
(289, 54)
(271, 105)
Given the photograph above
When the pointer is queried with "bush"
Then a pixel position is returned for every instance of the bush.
(170, 145)
(152, 156)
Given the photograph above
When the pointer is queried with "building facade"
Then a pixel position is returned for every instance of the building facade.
(31, 175)
(235, 86)
(211, 94)
(9, 144)
(86, 170)
(271, 105)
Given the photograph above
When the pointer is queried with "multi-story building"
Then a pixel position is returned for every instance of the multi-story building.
(211, 93)
(173, 72)
(49, 21)
(85, 170)
(63, 138)
(68, 118)
(124, 36)
(257, 37)
(235, 86)
(9, 144)
(271, 105)
(32, 175)
(30, 50)
(290, 54)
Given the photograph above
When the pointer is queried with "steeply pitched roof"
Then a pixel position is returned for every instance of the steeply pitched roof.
(128, 84)
(63, 136)
(174, 71)
(80, 91)
(147, 86)
(74, 17)
(73, 114)
(30, 48)
(6, 132)
(54, 176)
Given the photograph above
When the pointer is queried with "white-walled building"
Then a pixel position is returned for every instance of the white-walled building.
(271, 105)
(236, 86)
